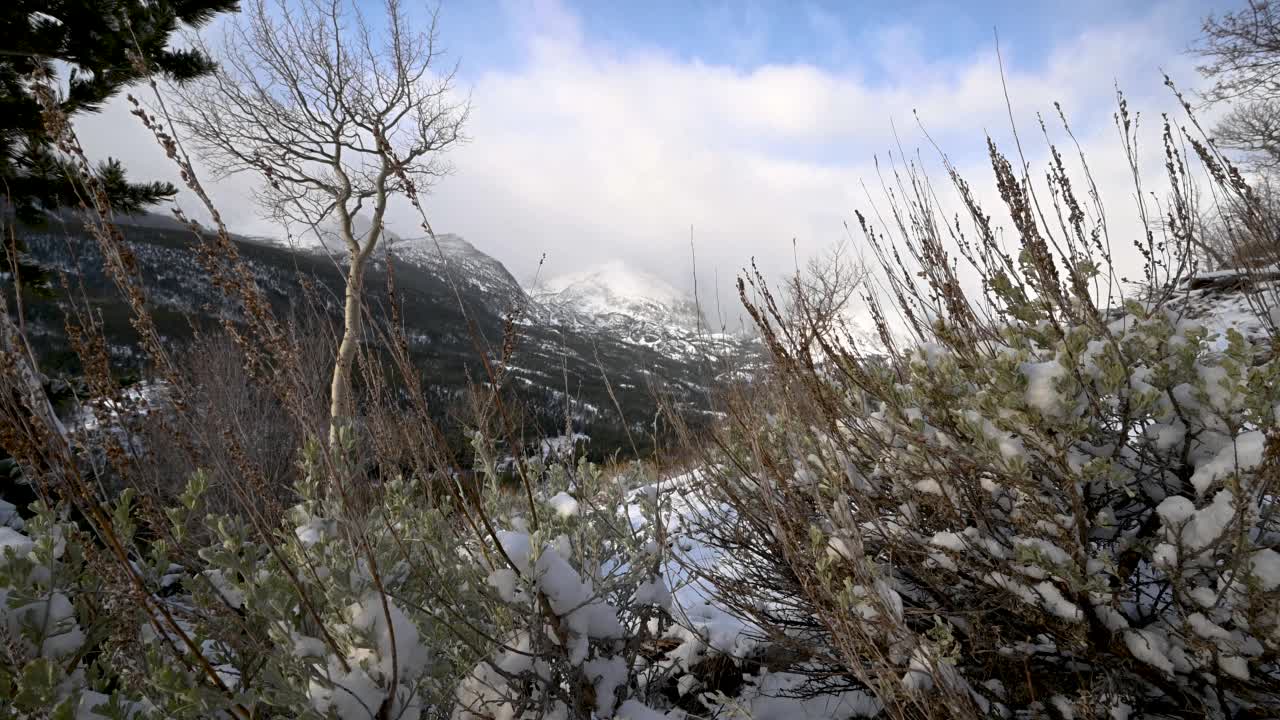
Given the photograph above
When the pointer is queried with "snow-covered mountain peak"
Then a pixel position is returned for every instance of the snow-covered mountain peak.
(616, 291)
(615, 278)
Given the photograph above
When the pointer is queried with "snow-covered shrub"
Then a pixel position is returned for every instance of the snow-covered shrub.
(1040, 508)
(581, 589)
(40, 633)
(388, 609)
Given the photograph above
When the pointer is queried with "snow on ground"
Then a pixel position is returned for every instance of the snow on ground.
(692, 593)
(562, 446)
(707, 628)
(1229, 299)
(136, 400)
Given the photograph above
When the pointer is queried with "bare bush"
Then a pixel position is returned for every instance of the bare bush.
(1226, 240)
(244, 419)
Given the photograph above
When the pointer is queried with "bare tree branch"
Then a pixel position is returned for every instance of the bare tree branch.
(1242, 52)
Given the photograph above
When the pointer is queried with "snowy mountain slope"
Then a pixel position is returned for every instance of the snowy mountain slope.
(449, 257)
(458, 261)
(598, 352)
(634, 307)
(611, 300)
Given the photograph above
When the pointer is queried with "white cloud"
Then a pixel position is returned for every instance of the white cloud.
(589, 154)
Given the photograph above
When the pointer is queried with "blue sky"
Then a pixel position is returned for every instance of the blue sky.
(832, 35)
(604, 131)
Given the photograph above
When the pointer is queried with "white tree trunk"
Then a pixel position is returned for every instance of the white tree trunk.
(341, 406)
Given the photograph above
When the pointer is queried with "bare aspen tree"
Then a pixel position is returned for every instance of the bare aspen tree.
(819, 295)
(337, 115)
